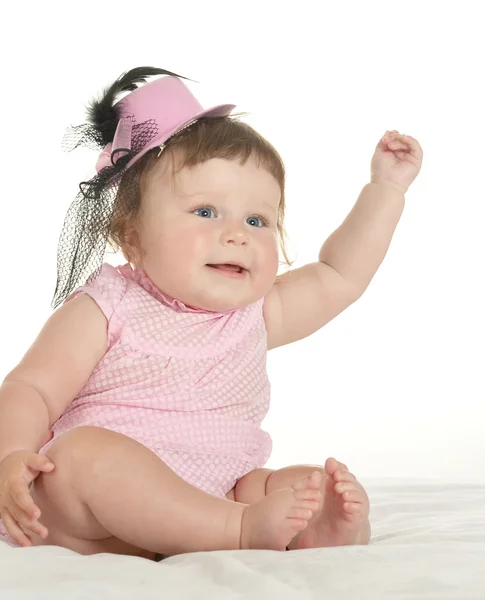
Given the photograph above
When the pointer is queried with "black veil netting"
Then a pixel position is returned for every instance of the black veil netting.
(86, 228)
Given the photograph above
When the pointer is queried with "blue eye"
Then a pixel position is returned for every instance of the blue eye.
(204, 211)
(253, 221)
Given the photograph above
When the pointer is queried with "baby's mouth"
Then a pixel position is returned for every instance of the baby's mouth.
(227, 267)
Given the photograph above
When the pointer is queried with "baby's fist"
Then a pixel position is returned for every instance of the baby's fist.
(397, 160)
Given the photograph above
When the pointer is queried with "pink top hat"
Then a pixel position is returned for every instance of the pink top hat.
(168, 103)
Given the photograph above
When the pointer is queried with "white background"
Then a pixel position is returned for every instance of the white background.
(394, 386)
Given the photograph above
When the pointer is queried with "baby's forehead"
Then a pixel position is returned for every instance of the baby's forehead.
(174, 182)
(212, 176)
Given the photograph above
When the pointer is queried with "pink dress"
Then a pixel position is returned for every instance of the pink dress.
(189, 384)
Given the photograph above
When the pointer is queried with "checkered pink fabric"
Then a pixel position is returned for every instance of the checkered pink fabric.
(189, 384)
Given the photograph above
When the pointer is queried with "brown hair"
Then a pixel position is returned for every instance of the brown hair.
(220, 137)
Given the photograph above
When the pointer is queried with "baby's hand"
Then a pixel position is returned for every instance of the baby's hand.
(396, 161)
(17, 508)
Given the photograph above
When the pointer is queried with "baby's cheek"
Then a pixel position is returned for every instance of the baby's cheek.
(268, 268)
(272, 259)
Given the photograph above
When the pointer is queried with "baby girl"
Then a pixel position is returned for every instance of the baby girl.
(151, 376)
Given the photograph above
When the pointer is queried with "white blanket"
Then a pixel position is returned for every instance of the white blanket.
(428, 543)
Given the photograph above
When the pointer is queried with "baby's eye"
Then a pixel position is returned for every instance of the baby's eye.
(204, 211)
(256, 221)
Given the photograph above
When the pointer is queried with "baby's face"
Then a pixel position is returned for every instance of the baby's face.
(216, 213)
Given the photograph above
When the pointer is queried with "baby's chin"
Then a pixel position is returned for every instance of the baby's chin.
(221, 304)
(214, 295)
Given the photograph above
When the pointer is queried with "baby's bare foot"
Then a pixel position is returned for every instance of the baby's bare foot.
(274, 521)
(343, 516)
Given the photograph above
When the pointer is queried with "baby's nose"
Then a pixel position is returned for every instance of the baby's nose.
(235, 234)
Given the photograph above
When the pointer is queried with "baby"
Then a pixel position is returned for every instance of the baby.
(152, 375)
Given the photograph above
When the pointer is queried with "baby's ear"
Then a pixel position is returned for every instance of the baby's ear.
(131, 245)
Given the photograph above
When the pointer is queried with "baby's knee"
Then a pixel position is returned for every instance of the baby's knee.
(75, 443)
(79, 450)
(71, 453)
(84, 453)
(252, 487)
(60, 494)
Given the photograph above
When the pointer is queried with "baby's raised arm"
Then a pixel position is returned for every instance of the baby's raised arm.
(52, 372)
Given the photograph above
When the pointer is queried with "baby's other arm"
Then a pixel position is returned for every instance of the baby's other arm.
(50, 375)
(304, 300)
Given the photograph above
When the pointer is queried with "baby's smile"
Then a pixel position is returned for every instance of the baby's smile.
(232, 270)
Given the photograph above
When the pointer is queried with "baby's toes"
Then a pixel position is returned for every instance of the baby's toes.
(354, 487)
(308, 495)
(311, 482)
(354, 509)
(344, 475)
(353, 493)
(344, 486)
(361, 494)
(312, 505)
(315, 481)
(301, 513)
(332, 465)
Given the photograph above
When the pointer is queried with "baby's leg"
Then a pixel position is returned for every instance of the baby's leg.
(109, 493)
(343, 515)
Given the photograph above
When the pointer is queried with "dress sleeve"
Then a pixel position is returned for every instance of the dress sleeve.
(106, 289)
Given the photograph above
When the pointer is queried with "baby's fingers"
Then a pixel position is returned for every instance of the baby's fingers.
(24, 511)
(21, 496)
(414, 147)
(14, 530)
(39, 462)
(25, 521)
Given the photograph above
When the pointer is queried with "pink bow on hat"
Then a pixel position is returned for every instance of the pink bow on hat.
(104, 159)
(121, 142)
